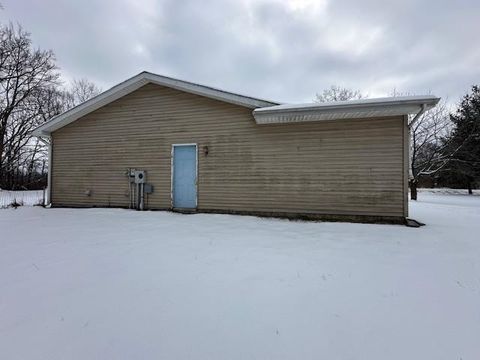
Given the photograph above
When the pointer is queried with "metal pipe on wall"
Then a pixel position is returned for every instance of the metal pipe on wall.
(142, 197)
(49, 174)
(136, 188)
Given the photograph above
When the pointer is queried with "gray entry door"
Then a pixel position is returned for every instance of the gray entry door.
(184, 185)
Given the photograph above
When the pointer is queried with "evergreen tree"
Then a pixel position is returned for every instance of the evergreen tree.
(465, 140)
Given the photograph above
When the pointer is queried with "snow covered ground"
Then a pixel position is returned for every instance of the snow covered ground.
(448, 191)
(119, 284)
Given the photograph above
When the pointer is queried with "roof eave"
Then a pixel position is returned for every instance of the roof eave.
(208, 91)
(342, 111)
(69, 116)
(135, 83)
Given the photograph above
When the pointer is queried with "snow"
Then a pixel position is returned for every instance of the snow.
(448, 191)
(27, 197)
(430, 99)
(120, 284)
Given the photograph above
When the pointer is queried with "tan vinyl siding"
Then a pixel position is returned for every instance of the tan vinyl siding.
(353, 167)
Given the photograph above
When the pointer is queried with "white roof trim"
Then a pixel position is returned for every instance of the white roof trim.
(352, 109)
(135, 83)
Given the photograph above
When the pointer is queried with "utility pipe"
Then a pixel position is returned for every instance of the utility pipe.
(420, 113)
(49, 175)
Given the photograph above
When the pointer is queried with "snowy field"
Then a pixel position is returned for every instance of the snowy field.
(119, 284)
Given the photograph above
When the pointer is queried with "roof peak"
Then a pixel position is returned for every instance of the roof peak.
(139, 80)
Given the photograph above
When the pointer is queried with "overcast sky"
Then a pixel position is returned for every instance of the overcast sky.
(284, 50)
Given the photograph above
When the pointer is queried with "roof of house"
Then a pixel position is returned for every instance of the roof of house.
(351, 109)
(264, 111)
(135, 83)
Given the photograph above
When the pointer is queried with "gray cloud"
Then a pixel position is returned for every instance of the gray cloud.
(276, 49)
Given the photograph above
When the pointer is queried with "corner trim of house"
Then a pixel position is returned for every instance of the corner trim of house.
(406, 163)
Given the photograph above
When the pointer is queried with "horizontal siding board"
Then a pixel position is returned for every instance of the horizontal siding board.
(352, 167)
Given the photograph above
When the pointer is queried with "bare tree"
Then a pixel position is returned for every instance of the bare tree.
(79, 91)
(30, 94)
(338, 93)
(49, 103)
(428, 146)
(25, 74)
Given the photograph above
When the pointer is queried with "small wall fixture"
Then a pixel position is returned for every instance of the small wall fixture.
(205, 150)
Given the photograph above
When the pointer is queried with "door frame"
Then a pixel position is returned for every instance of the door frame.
(172, 170)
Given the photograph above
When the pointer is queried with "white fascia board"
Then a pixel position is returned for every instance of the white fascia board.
(344, 109)
(88, 106)
(415, 100)
(135, 83)
(210, 92)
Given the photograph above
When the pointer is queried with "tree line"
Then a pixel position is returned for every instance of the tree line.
(444, 144)
(31, 93)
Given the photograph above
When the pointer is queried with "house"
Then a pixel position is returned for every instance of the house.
(154, 142)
